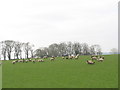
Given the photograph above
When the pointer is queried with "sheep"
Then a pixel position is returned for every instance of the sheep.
(52, 59)
(70, 57)
(33, 61)
(38, 60)
(41, 60)
(100, 59)
(63, 57)
(66, 57)
(44, 57)
(30, 60)
(20, 60)
(13, 62)
(26, 61)
(90, 62)
(77, 56)
(103, 57)
(94, 58)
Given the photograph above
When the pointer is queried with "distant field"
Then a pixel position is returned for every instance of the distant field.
(62, 74)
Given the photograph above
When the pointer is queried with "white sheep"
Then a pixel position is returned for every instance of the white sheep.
(100, 59)
(90, 62)
(63, 57)
(33, 61)
(77, 56)
(52, 59)
(41, 60)
(70, 57)
(26, 61)
(20, 60)
(94, 58)
(44, 57)
(13, 62)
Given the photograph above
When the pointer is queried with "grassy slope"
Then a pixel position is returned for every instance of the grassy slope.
(62, 74)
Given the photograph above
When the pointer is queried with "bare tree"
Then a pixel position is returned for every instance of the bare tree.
(3, 50)
(32, 51)
(85, 49)
(77, 47)
(53, 50)
(92, 50)
(27, 48)
(18, 49)
(8, 47)
(97, 49)
(69, 48)
(37, 53)
(41, 52)
(62, 47)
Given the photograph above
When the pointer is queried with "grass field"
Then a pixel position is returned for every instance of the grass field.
(61, 74)
(0, 76)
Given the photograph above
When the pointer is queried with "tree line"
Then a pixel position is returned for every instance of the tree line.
(17, 50)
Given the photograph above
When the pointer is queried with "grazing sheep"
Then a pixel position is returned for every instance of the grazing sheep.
(77, 56)
(52, 59)
(26, 61)
(33, 61)
(66, 57)
(44, 57)
(100, 59)
(103, 57)
(41, 60)
(13, 62)
(90, 62)
(94, 58)
(38, 60)
(20, 60)
(30, 60)
(70, 57)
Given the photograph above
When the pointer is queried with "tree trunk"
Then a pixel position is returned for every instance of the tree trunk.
(9, 56)
(4, 57)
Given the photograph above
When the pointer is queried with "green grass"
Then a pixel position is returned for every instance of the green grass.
(0, 75)
(62, 74)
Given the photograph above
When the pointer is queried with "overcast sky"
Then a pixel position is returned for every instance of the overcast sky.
(43, 22)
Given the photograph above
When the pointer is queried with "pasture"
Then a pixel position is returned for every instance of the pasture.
(61, 73)
(0, 75)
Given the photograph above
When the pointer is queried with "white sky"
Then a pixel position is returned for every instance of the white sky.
(43, 22)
